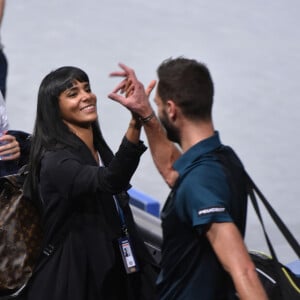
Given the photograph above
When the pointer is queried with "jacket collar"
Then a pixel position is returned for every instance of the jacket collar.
(196, 152)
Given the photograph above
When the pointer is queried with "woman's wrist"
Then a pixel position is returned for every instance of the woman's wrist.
(134, 130)
(135, 124)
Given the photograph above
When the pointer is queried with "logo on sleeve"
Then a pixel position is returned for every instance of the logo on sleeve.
(211, 210)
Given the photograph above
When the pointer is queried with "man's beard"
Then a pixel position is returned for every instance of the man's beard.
(172, 132)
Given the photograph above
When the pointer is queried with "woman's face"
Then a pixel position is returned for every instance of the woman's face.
(77, 105)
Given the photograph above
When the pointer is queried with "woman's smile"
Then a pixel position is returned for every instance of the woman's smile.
(89, 108)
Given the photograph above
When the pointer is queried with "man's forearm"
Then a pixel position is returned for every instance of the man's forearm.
(228, 244)
(249, 286)
(164, 152)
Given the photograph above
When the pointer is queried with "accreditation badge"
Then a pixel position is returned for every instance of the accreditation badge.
(127, 254)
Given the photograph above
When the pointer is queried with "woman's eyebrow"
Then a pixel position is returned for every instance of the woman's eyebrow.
(73, 87)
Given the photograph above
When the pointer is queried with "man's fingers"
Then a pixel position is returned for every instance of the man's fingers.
(129, 88)
(118, 74)
(128, 83)
(130, 72)
(116, 97)
(150, 87)
(120, 86)
(126, 71)
(129, 91)
(126, 68)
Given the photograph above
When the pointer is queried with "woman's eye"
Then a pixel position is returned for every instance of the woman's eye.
(72, 95)
(88, 89)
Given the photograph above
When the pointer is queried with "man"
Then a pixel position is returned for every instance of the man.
(203, 220)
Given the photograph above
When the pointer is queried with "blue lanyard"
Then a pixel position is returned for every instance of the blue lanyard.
(119, 209)
(121, 215)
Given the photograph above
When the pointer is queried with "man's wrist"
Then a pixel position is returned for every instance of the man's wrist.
(148, 118)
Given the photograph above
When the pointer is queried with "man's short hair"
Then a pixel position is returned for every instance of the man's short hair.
(188, 83)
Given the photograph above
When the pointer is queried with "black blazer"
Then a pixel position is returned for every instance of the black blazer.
(78, 205)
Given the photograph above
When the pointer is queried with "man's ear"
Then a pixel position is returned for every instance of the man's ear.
(171, 109)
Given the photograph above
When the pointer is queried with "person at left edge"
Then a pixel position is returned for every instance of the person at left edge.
(82, 187)
(9, 146)
(3, 59)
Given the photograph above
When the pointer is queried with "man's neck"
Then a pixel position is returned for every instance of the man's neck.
(193, 133)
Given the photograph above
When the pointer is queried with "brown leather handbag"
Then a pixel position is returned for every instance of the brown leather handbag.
(20, 234)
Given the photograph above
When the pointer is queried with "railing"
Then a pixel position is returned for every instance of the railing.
(146, 214)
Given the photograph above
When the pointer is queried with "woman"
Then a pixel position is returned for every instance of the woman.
(81, 187)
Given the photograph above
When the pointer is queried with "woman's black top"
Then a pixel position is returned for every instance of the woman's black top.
(80, 212)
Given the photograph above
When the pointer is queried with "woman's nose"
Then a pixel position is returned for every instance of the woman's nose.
(85, 95)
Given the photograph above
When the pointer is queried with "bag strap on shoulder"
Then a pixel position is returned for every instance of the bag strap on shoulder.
(254, 194)
(254, 190)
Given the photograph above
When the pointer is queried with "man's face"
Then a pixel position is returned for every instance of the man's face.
(172, 131)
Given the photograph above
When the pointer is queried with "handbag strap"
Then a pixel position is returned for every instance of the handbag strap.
(254, 190)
